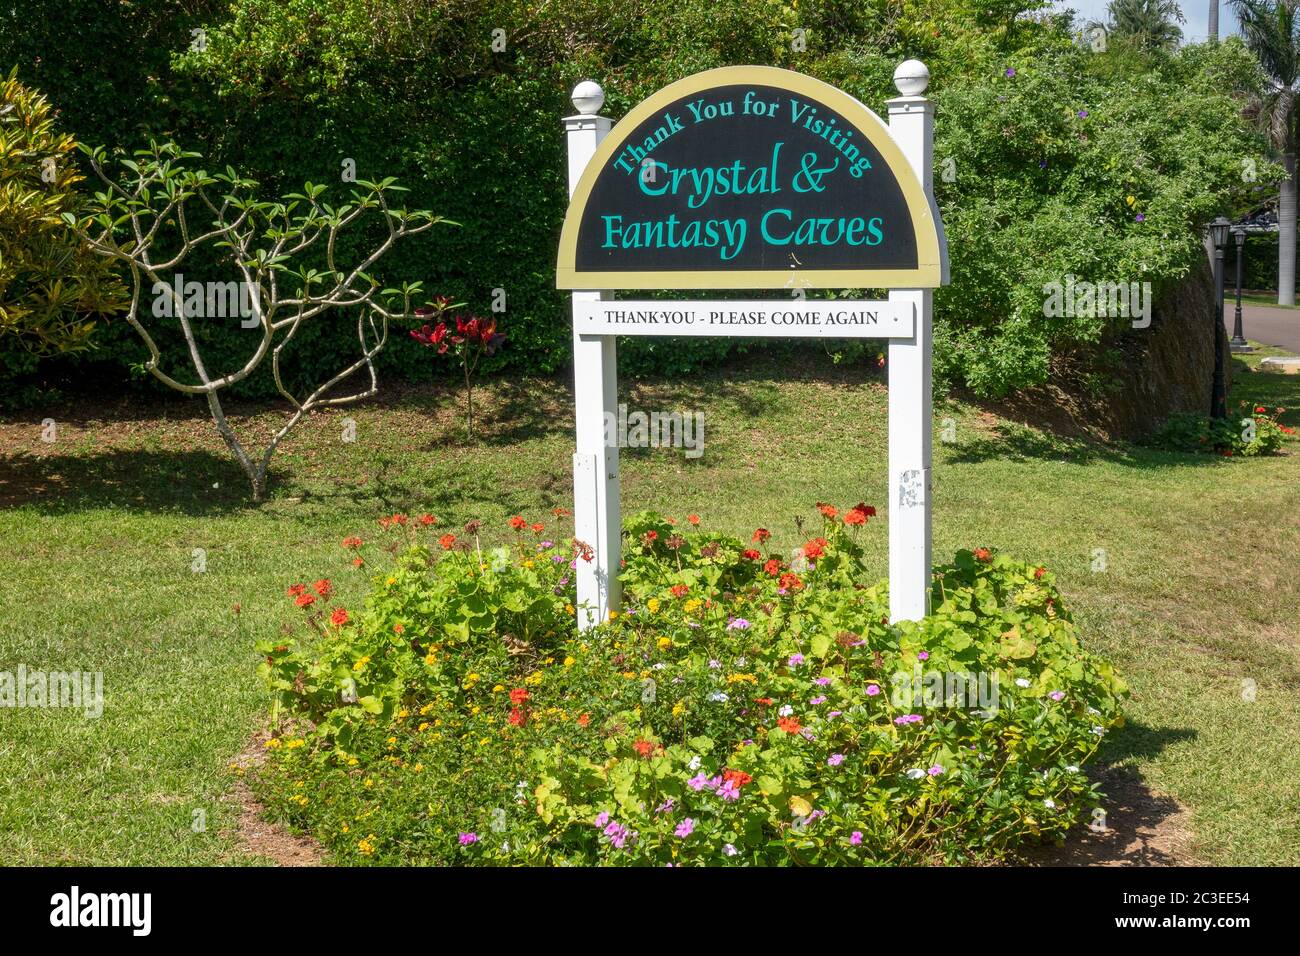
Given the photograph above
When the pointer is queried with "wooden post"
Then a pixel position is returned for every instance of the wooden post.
(596, 517)
(911, 121)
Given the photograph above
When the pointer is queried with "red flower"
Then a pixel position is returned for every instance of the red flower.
(790, 581)
(518, 523)
(339, 617)
(651, 536)
(790, 725)
(1039, 572)
(352, 542)
(815, 548)
(427, 519)
(829, 511)
(773, 566)
(644, 747)
(859, 514)
(763, 701)
(584, 720)
(761, 535)
(447, 540)
(983, 554)
(305, 600)
(538, 527)
(693, 519)
(517, 717)
(1260, 410)
(737, 777)
(560, 512)
(518, 696)
(296, 589)
(357, 562)
(751, 554)
(679, 590)
(323, 587)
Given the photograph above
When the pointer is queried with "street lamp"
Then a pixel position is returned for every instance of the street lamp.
(1219, 398)
(1238, 343)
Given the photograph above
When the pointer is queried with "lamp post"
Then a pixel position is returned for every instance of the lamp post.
(1218, 398)
(1238, 343)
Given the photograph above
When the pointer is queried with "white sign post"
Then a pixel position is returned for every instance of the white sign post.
(905, 320)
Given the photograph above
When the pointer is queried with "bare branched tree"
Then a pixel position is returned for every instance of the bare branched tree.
(158, 212)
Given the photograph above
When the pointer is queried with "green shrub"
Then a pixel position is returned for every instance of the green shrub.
(741, 710)
(1253, 431)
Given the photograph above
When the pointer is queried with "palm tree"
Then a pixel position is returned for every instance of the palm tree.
(1213, 28)
(1147, 23)
(1269, 28)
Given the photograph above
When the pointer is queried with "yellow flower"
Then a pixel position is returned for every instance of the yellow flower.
(692, 605)
(431, 658)
(294, 744)
(741, 678)
(678, 709)
(273, 743)
(630, 675)
(475, 709)
(652, 605)
(568, 661)
(498, 689)
(423, 726)
(533, 679)
(664, 643)
(361, 663)
(369, 782)
(613, 614)
(568, 609)
(528, 563)
(391, 581)
(418, 767)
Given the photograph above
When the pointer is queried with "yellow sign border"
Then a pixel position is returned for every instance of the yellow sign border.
(928, 273)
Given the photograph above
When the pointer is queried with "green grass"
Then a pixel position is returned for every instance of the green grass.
(1199, 591)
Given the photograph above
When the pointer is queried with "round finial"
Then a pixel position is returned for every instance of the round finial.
(912, 77)
(588, 97)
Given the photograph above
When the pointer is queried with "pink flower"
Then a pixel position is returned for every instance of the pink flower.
(834, 760)
(856, 838)
(872, 690)
(685, 828)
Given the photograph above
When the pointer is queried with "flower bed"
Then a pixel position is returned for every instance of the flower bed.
(743, 709)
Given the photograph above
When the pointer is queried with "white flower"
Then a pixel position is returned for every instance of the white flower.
(695, 763)
(1099, 730)
(1094, 711)
(729, 850)
(1022, 682)
(658, 667)
(719, 697)
(1072, 768)
(1050, 804)
(785, 711)
(916, 773)
(740, 662)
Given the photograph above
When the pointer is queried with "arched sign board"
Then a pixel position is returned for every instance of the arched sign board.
(753, 178)
(750, 178)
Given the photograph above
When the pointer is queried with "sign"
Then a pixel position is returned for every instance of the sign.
(777, 318)
(753, 178)
(749, 178)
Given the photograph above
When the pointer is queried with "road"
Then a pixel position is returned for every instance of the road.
(1270, 325)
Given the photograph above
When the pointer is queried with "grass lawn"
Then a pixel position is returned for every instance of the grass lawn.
(1181, 568)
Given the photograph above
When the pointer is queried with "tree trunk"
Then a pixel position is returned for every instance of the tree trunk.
(1286, 224)
(1214, 20)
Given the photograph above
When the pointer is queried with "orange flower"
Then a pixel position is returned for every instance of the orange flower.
(693, 519)
(815, 548)
(323, 587)
(305, 600)
(560, 512)
(773, 567)
(584, 720)
(518, 695)
(352, 542)
(790, 725)
(517, 717)
(644, 747)
(339, 617)
(829, 511)
(447, 540)
(518, 523)
(859, 514)
(427, 519)
(538, 527)
(983, 554)
(679, 590)
(790, 581)
(761, 535)
(1039, 572)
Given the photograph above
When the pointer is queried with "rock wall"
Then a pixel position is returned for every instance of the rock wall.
(1165, 368)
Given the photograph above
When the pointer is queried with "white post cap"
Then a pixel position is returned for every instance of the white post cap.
(912, 77)
(588, 97)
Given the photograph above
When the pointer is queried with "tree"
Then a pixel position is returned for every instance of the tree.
(1149, 24)
(52, 287)
(1269, 28)
(150, 220)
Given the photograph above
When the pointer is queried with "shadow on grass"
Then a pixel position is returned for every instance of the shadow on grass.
(185, 482)
(1137, 826)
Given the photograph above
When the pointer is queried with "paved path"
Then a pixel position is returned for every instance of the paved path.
(1270, 325)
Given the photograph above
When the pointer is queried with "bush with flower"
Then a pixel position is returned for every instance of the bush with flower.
(744, 708)
(1254, 430)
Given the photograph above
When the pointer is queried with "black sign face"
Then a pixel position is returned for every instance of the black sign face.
(758, 184)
